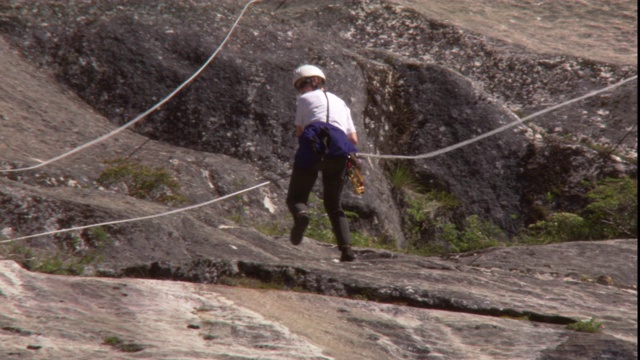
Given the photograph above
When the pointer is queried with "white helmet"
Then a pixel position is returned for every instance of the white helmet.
(306, 71)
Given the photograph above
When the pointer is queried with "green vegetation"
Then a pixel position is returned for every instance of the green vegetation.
(588, 326)
(73, 254)
(477, 234)
(273, 228)
(429, 213)
(319, 223)
(142, 181)
(426, 212)
(119, 344)
(362, 238)
(429, 225)
(558, 227)
(401, 177)
(612, 213)
(17, 330)
(321, 230)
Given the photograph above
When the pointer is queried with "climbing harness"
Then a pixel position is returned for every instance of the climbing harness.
(352, 173)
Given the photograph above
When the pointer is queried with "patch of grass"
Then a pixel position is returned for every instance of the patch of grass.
(430, 230)
(99, 234)
(363, 239)
(477, 234)
(111, 340)
(54, 265)
(59, 264)
(73, 254)
(445, 199)
(426, 215)
(253, 283)
(401, 177)
(319, 223)
(228, 281)
(273, 228)
(141, 181)
(17, 330)
(239, 216)
(559, 227)
(121, 345)
(419, 215)
(588, 326)
(613, 211)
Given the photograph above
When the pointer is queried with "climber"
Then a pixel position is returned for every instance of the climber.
(326, 137)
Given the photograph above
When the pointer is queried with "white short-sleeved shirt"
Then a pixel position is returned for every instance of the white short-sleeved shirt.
(312, 106)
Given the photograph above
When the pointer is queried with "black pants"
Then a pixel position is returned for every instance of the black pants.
(301, 185)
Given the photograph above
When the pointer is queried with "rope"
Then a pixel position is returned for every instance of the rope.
(423, 156)
(196, 74)
(144, 114)
(500, 129)
(175, 211)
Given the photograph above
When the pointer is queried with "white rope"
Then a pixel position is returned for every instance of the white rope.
(144, 114)
(498, 130)
(179, 88)
(175, 211)
(423, 156)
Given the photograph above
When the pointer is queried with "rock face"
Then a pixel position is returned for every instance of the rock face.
(73, 73)
(511, 303)
(123, 57)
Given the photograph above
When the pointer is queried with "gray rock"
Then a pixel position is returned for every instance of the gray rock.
(121, 58)
(436, 308)
(73, 73)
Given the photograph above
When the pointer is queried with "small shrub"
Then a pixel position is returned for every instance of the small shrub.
(112, 340)
(418, 212)
(98, 235)
(613, 211)
(401, 178)
(559, 227)
(589, 326)
(446, 200)
(52, 265)
(73, 254)
(423, 212)
(142, 181)
(477, 234)
(273, 228)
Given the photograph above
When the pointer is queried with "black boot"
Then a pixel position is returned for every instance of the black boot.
(347, 254)
(340, 225)
(300, 224)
